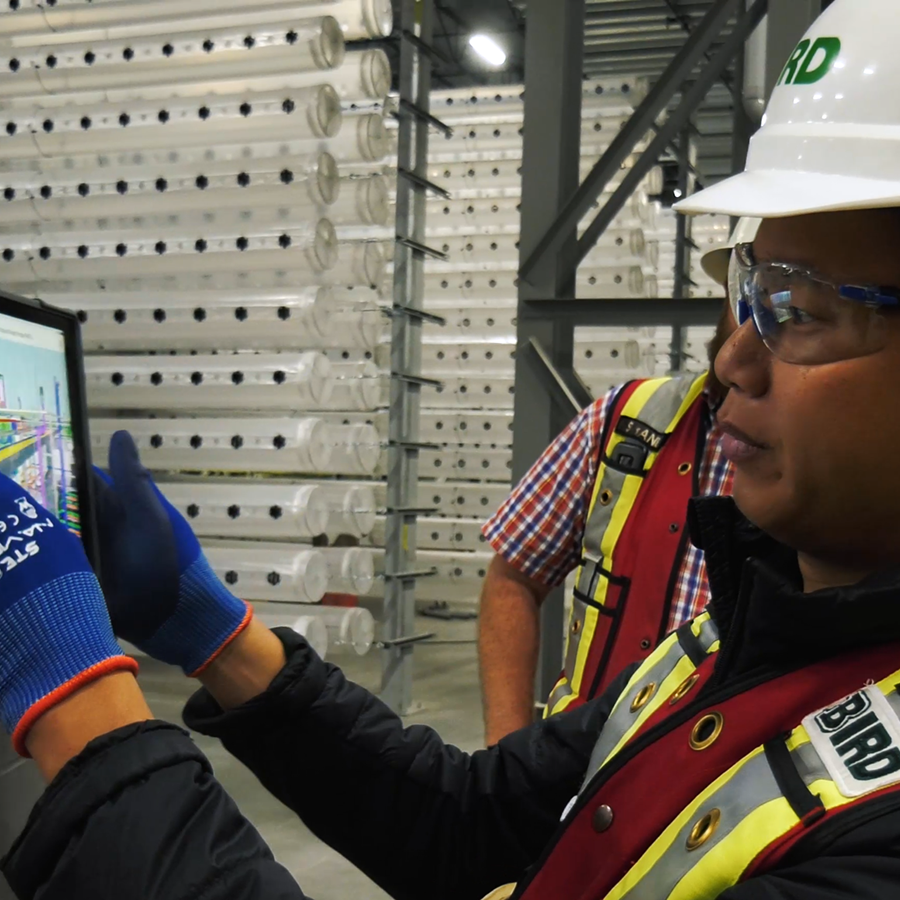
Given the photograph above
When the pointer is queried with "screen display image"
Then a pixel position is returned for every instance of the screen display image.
(36, 444)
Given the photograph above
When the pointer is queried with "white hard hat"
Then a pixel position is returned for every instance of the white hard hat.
(830, 138)
(715, 261)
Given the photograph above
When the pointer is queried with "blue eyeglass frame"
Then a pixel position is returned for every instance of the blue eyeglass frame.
(869, 295)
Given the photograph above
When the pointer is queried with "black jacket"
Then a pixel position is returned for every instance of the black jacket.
(138, 813)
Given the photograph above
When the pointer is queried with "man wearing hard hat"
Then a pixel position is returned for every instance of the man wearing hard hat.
(754, 755)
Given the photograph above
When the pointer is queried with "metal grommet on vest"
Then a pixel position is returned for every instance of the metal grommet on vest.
(642, 697)
(602, 818)
(576, 626)
(684, 688)
(605, 498)
(684, 468)
(707, 730)
(703, 829)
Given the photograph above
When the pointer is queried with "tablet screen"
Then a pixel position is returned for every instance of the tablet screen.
(36, 445)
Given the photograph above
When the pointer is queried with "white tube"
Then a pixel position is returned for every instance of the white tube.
(304, 247)
(310, 627)
(354, 386)
(352, 449)
(351, 628)
(254, 509)
(351, 508)
(301, 446)
(360, 326)
(162, 202)
(253, 572)
(209, 320)
(358, 18)
(361, 201)
(243, 381)
(193, 59)
(363, 139)
(358, 263)
(308, 113)
(351, 570)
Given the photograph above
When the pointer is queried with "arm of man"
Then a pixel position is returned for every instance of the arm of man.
(133, 810)
(509, 635)
(537, 534)
(410, 811)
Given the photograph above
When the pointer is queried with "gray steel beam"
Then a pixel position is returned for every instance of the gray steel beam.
(619, 312)
(550, 169)
(787, 23)
(406, 360)
(667, 131)
(658, 98)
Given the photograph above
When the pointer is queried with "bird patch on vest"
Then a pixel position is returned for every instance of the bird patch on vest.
(858, 740)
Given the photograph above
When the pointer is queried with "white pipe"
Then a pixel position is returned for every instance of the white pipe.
(174, 59)
(351, 628)
(360, 326)
(265, 382)
(309, 248)
(290, 446)
(354, 386)
(53, 205)
(210, 320)
(256, 509)
(307, 626)
(358, 18)
(351, 570)
(361, 201)
(358, 263)
(351, 508)
(362, 140)
(307, 113)
(257, 572)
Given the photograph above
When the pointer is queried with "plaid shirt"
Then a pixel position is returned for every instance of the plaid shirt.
(539, 528)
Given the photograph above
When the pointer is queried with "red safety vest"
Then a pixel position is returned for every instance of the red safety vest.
(636, 533)
(682, 800)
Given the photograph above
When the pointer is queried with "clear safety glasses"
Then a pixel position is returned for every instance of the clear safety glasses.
(804, 318)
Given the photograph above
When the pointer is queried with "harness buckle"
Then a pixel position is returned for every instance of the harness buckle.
(629, 456)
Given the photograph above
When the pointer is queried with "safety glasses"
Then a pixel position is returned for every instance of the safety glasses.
(804, 318)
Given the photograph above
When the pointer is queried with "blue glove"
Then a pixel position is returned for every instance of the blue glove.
(55, 633)
(162, 595)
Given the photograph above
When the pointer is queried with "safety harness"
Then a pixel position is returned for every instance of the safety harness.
(635, 533)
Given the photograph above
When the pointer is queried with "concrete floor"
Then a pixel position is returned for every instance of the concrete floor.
(445, 683)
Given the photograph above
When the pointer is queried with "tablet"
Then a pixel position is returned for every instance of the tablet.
(44, 443)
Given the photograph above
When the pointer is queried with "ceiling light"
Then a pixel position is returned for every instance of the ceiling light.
(488, 49)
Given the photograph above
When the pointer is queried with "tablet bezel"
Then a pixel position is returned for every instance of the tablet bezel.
(66, 321)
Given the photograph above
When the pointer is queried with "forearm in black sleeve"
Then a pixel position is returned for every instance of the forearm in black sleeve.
(139, 814)
(419, 817)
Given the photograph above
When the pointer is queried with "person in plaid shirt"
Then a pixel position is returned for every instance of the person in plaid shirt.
(537, 534)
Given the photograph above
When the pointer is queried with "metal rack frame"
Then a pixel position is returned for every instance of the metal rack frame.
(407, 315)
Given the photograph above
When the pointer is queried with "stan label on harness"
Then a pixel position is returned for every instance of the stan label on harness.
(641, 432)
(858, 740)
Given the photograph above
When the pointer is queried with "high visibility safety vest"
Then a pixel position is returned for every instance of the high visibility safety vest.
(635, 534)
(684, 798)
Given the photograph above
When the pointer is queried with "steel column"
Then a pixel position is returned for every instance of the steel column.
(550, 169)
(622, 146)
(684, 244)
(406, 355)
(787, 23)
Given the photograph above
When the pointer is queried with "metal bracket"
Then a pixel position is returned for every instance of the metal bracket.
(417, 379)
(411, 510)
(424, 249)
(405, 641)
(414, 445)
(423, 183)
(410, 574)
(422, 47)
(411, 109)
(576, 396)
(414, 313)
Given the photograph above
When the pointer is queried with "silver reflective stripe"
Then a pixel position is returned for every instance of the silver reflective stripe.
(709, 634)
(657, 412)
(622, 718)
(752, 786)
(596, 525)
(808, 764)
(579, 612)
